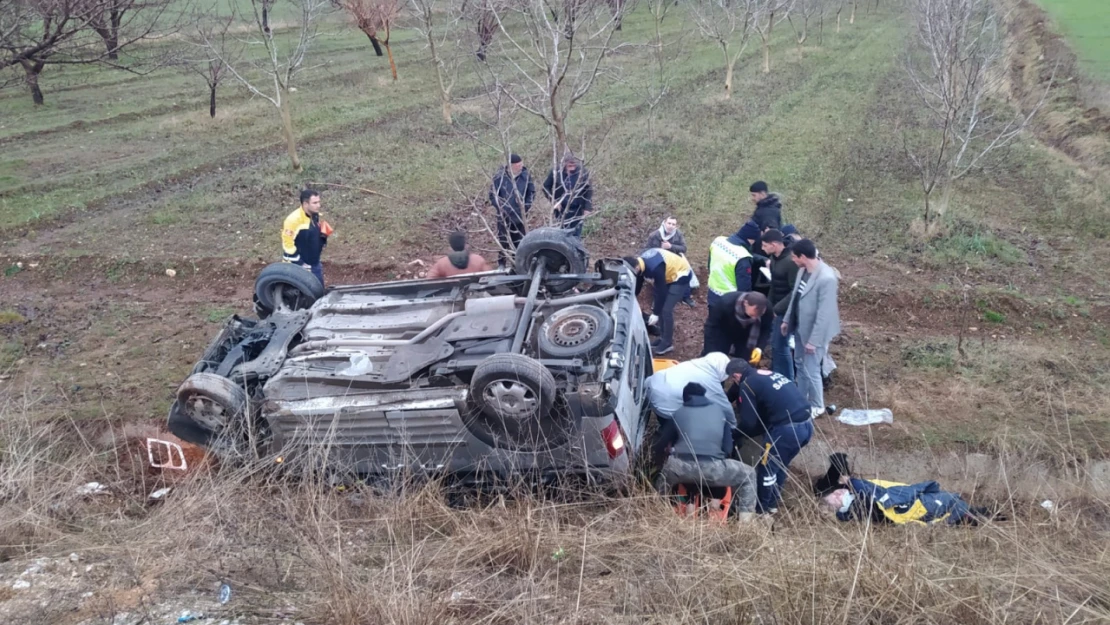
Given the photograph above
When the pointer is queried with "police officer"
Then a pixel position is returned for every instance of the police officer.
(730, 263)
(771, 406)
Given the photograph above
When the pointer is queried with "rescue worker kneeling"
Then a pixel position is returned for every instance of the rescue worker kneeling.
(700, 437)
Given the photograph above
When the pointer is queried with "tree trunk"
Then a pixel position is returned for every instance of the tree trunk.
(447, 109)
(560, 124)
(821, 31)
(287, 131)
(31, 73)
(212, 100)
(376, 44)
(729, 63)
(265, 18)
(112, 44)
(838, 20)
(852, 17)
(392, 64)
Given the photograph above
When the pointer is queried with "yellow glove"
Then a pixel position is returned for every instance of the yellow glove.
(757, 355)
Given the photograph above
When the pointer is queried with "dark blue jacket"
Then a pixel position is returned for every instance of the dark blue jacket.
(896, 503)
(768, 400)
(577, 185)
(655, 268)
(512, 197)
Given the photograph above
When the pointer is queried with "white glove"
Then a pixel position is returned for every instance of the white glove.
(652, 320)
(790, 342)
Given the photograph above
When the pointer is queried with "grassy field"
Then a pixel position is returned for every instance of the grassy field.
(993, 338)
(1086, 24)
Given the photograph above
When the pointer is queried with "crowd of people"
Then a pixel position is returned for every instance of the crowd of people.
(769, 294)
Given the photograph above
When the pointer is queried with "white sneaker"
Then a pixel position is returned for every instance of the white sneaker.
(815, 412)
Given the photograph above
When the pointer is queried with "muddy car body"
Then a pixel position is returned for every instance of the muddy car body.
(536, 371)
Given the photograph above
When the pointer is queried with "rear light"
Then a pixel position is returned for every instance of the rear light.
(614, 440)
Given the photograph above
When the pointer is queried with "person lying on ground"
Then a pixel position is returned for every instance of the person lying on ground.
(670, 275)
(770, 406)
(694, 448)
(459, 261)
(880, 501)
(733, 324)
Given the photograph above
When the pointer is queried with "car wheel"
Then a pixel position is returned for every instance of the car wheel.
(559, 250)
(514, 401)
(285, 287)
(575, 332)
(211, 410)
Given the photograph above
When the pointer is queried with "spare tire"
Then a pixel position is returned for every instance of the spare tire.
(580, 331)
(211, 411)
(559, 250)
(298, 288)
(513, 400)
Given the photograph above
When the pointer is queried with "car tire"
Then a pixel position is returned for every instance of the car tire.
(580, 331)
(558, 249)
(514, 404)
(300, 288)
(210, 410)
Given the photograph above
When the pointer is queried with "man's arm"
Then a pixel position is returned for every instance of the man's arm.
(678, 243)
(792, 299)
(744, 275)
(436, 270)
(587, 194)
(654, 240)
(826, 312)
(289, 251)
(668, 436)
(495, 192)
(529, 194)
(791, 278)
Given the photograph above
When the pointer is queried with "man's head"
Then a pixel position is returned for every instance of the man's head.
(804, 254)
(310, 201)
(773, 242)
(670, 224)
(751, 305)
(570, 164)
(516, 164)
(457, 241)
(635, 263)
(836, 501)
(758, 190)
(692, 390)
(749, 232)
(738, 369)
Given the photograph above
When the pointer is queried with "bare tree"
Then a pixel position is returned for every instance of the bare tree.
(486, 27)
(376, 18)
(545, 67)
(729, 23)
(801, 16)
(955, 70)
(115, 20)
(37, 33)
(210, 30)
(768, 14)
(440, 24)
(272, 76)
(664, 54)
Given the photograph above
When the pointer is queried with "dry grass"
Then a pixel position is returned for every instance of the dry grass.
(293, 546)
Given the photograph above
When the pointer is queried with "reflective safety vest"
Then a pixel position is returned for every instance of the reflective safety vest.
(723, 257)
(914, 513)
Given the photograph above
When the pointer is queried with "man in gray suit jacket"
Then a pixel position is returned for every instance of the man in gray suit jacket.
(814, 318)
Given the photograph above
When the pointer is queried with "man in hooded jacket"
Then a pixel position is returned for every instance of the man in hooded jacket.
(768, 207)
(571, 195)
(511, 195)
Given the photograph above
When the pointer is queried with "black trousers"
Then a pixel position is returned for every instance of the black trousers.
(509, 234)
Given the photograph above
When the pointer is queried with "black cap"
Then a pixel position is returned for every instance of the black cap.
(693, 389)
(457, 241)
(515, 158)
(736, 365)
(758, 187)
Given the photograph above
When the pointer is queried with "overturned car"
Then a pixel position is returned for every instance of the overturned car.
(539, 371)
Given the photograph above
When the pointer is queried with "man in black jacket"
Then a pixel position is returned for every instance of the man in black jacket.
(571, 195)
(511, 195)
(784, 274)
(773, 407)
(733, 324)
(700, 438)
(768, 206)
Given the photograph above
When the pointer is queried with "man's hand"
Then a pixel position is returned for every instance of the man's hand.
(306, 266)
(652, 320)
(666, 245)
(810, 349)
(785, 328)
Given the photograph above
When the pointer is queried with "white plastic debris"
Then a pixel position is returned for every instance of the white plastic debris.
(160, 493)
(92, 488)
(21, 584)
(1048, 504)
(360, 365)
(73, 557)
(853, 416)
(171, 273)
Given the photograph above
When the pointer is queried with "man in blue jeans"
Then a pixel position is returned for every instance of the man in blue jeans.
(771, 406)
(784, 272)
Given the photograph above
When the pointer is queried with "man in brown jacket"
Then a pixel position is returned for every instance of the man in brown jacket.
(459, 261)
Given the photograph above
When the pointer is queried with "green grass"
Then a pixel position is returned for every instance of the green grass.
(1086, 25)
